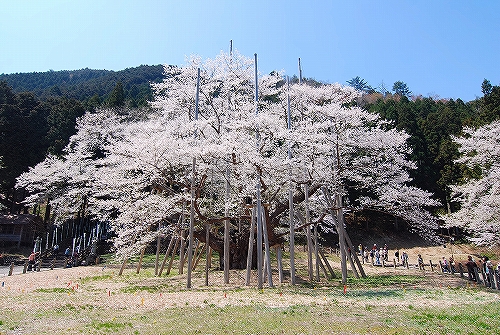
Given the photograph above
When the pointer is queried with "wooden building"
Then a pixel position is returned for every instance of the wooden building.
(20, 229)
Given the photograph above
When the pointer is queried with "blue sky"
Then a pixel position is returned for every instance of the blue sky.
(438, 48)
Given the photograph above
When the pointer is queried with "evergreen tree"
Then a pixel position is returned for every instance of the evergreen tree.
(400, 88)
(360, 84)
(61, 122)
(23, 124)
(117, 96)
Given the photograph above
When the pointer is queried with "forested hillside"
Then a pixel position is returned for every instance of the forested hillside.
(431, 125)
(38, 112)
(91, 87)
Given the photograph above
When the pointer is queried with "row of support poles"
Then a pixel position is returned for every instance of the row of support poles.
(347, 251)
(261, 234)
(258, 223)
(264, 268)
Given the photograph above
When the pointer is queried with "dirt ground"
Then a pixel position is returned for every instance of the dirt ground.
(101, 286)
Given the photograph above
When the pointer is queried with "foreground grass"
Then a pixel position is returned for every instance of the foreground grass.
(104, 303)
(297, 319)
(376, 305)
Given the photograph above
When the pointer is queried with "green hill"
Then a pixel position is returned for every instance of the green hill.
(86, 84)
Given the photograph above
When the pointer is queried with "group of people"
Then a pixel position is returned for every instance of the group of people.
(485, 266)
(381, 255)
(448, 265)
(71, 258)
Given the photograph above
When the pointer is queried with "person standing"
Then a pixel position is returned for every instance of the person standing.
(420, 261)
(55, 249)
(471, 268)
(404, 259)
(31, 261)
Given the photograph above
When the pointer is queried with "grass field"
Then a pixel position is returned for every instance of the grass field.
(95, 300)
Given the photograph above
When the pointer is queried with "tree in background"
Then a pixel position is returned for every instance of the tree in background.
(486, 87)
(23, 125)
(61, 122)
(117, 96)
(479, 193)
(430, 125)
(489, 105)
(360, 85)
(400, 88)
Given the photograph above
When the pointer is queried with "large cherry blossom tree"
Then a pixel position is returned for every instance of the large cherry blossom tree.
(479, 196)
(143, 172)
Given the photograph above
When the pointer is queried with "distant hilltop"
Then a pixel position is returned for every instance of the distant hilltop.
(85, 83)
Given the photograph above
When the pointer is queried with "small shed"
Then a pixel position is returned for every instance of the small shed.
(20, 228)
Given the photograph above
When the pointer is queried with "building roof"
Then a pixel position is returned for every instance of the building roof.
(20, 219)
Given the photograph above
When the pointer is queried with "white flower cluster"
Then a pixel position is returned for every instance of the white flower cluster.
(135, 170)
(479, 198)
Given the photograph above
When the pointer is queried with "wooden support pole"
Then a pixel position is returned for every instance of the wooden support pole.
(267, 251)
(185, 258)
(279, 258)
(322, 254)
(196, 250)
(11, 268)
(351, 262)
(121, 268)
(250, 247)
(265, 269)
(181, 251)
(169, 249)
(316, 248)
(354, 255)
(322, 266)
(290, 193)
(158, 245)
(258, 188)
(310, 270)
(198, 256)
(140, 260)
(174, 252)
(207, 256)
(227, 230)
(193, 194)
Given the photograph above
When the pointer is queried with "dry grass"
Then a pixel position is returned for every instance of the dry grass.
(96, 300)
